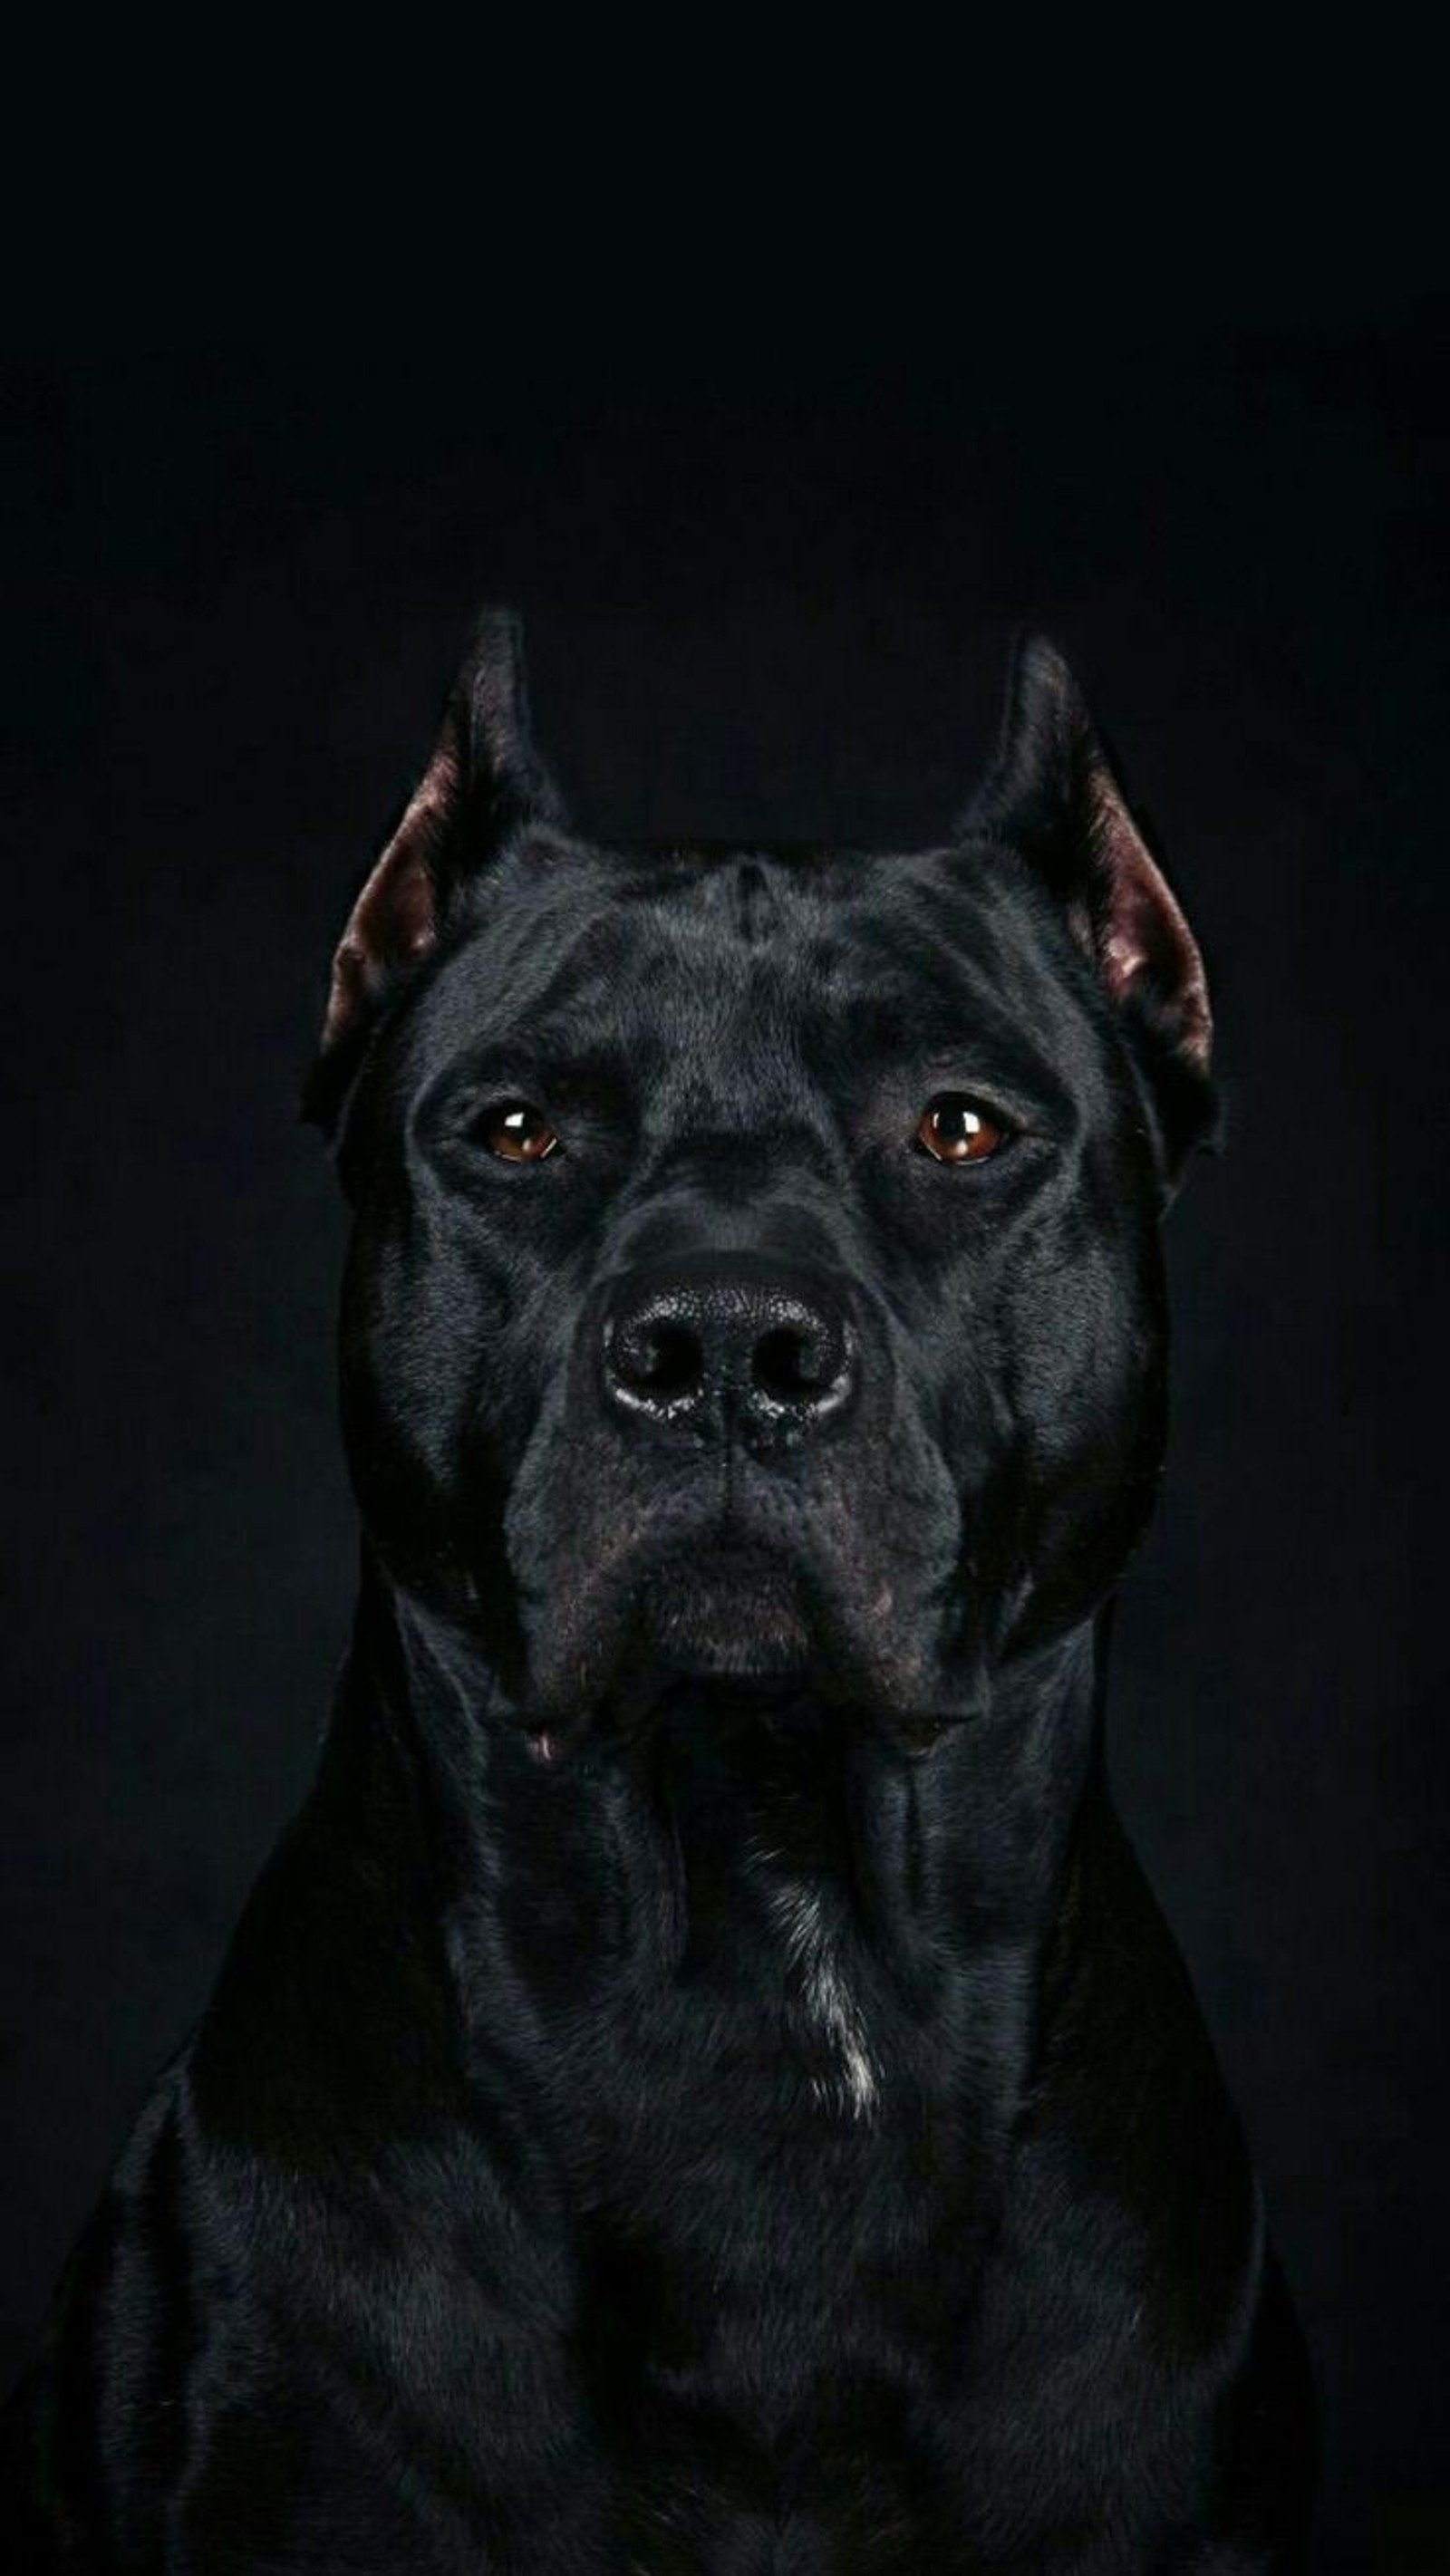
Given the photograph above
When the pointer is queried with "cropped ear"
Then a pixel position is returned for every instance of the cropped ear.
(482, 783)
(1052, 793)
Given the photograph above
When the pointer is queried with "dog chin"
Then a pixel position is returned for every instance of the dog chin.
(722, 1612)
(711, 1607)
(729, 1613)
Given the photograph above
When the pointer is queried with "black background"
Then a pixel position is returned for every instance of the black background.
(764, 592)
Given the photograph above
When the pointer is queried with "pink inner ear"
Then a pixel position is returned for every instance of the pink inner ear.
(395, 916)
(1144, 932)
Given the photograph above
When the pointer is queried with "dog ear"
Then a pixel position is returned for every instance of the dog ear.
(1053, 793)
(482, 782)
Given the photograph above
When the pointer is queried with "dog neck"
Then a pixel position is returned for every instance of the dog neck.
(795, 1851)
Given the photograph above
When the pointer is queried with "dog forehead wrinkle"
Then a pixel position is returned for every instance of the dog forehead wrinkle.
(664, 949)
(737, 1077)
(723, 1004)
(929, 979)
(550, 969)
(684, 954)
(981, 914)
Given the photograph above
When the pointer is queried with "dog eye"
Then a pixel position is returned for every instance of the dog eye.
(517, 1132)
(955, 1128)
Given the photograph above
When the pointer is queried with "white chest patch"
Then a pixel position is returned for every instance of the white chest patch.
(811, 1946)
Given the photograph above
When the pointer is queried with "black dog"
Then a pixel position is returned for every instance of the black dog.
(703, 2084)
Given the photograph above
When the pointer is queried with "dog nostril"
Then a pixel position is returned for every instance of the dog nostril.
(794, 1360)
(673, 1360)
(660, 1355)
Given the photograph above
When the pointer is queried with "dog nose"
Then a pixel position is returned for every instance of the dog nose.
(743, 1345)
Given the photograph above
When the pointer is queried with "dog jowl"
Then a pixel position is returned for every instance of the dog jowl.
(703, 2083)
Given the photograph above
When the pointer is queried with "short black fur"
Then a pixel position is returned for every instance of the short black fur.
(703, 2084)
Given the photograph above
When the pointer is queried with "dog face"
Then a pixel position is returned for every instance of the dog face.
(755, 1268)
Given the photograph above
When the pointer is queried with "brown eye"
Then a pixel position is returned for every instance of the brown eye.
(518, 1132)
(957, 1129)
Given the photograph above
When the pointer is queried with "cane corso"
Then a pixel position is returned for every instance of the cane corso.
(703, 2084)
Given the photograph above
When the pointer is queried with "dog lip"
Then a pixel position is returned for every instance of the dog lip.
(718, 1591)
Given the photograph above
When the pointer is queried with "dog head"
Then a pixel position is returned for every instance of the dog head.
(755, 1268)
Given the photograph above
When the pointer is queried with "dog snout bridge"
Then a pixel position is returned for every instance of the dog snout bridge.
(738, 1346)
